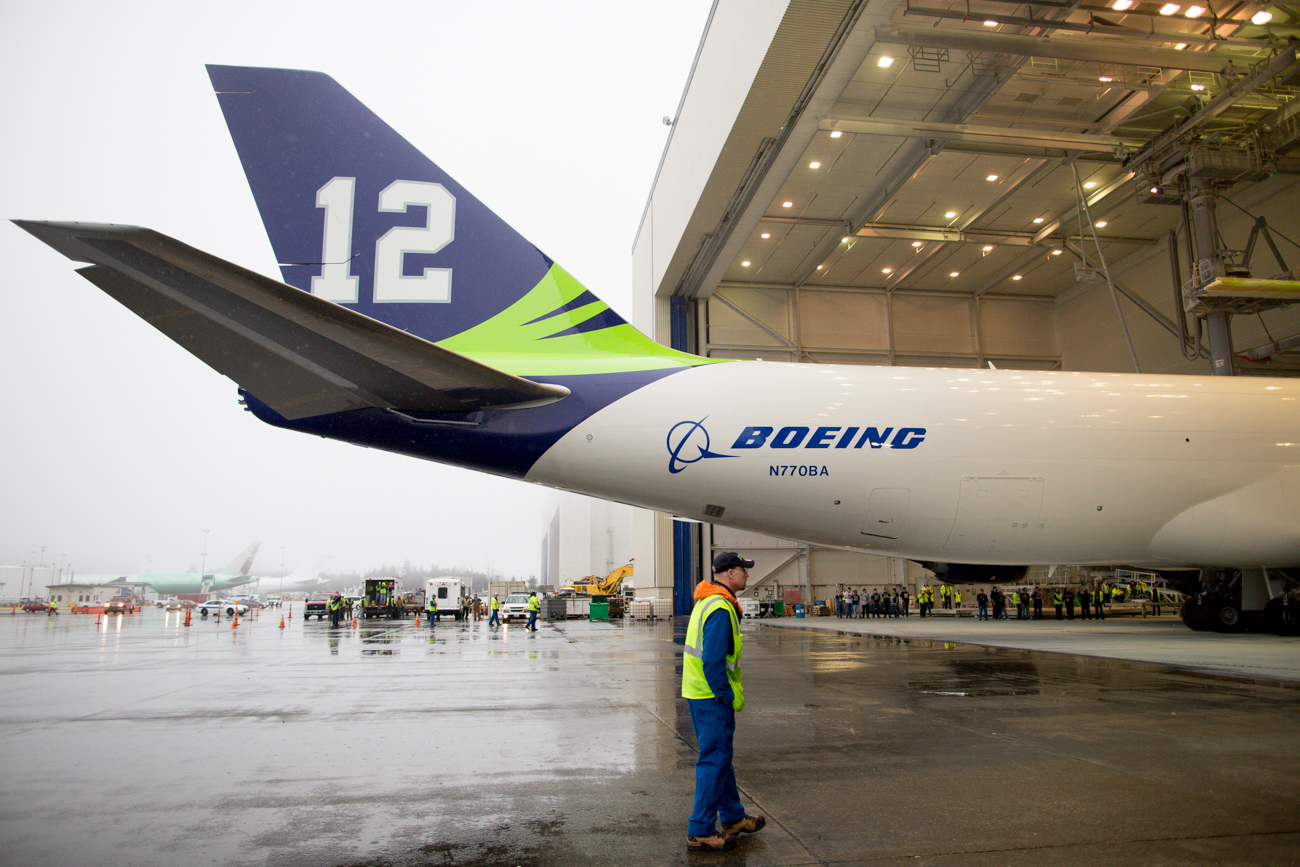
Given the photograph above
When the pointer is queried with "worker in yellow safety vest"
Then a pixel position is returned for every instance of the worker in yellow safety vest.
(533, 607)
(495, 619)
(711, 683)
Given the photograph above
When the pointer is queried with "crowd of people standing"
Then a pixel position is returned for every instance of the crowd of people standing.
(993, 605)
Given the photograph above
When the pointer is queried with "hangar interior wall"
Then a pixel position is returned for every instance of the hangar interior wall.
(850, 326)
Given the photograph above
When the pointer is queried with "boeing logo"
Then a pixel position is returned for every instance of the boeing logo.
(687, 436)
(793, 437)
(688, 441)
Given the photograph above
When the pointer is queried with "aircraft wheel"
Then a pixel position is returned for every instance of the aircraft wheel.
(1225, 616)
(1194, 616)
(1287, 621)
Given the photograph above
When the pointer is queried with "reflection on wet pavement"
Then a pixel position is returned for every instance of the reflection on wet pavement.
(144, 742)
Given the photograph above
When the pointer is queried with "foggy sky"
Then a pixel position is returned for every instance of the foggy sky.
(117, 447)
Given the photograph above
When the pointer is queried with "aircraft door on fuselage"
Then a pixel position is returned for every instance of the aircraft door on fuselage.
(996, 513)
(886, 512)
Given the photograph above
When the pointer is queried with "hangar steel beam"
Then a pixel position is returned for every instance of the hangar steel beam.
(1265, 73)
(1131, 53)
(966, 132)
(976, 236)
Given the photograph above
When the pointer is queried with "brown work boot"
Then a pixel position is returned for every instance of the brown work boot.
(713, 843)
(747, 825)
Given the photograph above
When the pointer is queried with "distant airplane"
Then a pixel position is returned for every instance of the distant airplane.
(302, 578)
(414, 319)
(233, 574)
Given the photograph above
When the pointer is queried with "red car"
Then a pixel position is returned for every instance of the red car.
(120, 605)
(36, 607)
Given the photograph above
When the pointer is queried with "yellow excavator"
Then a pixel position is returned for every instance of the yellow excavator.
(594, 585)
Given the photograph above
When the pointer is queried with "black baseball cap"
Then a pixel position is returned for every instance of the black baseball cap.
(730, 560)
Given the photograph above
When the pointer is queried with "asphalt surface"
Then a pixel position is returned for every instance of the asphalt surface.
(143, 742)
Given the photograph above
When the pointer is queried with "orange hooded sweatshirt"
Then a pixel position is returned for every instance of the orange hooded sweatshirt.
(707, 588)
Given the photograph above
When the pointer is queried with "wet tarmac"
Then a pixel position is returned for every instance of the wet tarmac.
(143, 742)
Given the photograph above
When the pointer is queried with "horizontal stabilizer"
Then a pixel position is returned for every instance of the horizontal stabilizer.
(299, 354)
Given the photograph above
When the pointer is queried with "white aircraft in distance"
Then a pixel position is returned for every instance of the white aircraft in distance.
(302, 578)
(414, 319)
(233, 574)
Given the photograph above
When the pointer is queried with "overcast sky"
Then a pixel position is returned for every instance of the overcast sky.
(118, 448)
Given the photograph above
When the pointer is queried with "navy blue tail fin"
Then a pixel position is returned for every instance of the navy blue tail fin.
(358, 215)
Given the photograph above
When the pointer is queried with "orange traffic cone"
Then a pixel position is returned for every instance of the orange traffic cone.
(354, 623)
(187, 617)
(282, 621)
(235, 625)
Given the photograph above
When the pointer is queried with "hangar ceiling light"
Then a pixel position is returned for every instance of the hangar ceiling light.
(885, 62)
(991, 178)
(836, 133)
(1261, 18)
(766, 235)
(1195, 11)
(1169, 9)
(1121, 5)
(950, 215)
(814, 165)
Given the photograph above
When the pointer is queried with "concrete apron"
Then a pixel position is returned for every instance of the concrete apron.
(143, 742)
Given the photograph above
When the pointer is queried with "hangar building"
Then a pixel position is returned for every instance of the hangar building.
(1108, 185)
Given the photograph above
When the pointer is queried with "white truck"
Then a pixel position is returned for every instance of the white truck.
(450, 595)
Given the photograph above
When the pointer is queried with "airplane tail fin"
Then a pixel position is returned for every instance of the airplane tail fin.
(358, 216)
(243, 562)
(307, 575)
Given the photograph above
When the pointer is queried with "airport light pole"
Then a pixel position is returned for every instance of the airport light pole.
(203, 560)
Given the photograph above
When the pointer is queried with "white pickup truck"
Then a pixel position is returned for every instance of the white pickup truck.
(516, 605)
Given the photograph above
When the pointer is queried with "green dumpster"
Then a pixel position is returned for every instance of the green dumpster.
(599, 611)
(779, 604)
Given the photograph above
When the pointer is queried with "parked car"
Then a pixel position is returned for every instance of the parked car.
(36, 606)
(180, 604)
(516, 605)
(228, 607)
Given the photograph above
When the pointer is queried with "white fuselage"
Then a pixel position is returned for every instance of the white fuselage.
(963, 466)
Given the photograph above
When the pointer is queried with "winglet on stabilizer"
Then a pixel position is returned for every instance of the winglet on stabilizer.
(299, 354)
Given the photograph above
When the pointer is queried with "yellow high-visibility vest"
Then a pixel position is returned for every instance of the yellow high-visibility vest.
(694, 683)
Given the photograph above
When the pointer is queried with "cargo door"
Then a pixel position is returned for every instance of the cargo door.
(886, 513)
(996, 513)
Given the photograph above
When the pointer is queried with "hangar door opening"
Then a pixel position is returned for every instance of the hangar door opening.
(1001, 510)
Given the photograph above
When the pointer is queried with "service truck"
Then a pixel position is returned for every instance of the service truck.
(383, 597)
(449, 594)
